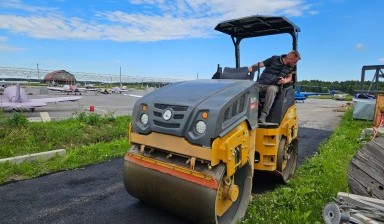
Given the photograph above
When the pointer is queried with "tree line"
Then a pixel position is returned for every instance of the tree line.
(351, 87)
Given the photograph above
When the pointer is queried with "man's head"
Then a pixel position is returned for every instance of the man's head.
(292, 58)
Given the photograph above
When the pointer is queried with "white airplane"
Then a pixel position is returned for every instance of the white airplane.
(338, 95)
(15, 98)
(118, 90)
(68, 89)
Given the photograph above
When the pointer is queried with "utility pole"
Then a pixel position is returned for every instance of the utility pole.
(121, 86)
(38, 73)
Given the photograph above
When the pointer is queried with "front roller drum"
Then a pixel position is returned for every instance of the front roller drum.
(196, 202)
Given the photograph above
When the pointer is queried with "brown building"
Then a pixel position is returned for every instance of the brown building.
(60, 77)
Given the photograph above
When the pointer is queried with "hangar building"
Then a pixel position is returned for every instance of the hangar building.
(60, 77)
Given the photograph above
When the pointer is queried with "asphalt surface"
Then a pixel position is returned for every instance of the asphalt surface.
(95, 194)
(116, 104)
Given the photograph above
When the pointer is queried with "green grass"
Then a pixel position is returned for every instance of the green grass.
(317, 181)
(88, 139)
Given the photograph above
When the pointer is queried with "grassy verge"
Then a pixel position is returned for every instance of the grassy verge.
(88, 139)
(317, 181)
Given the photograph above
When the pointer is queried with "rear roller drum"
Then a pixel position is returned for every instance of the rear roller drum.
(287, 159)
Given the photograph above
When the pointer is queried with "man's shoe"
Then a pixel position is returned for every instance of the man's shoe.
(262, 117)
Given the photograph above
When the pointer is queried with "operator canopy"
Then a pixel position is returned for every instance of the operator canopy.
(255, 26)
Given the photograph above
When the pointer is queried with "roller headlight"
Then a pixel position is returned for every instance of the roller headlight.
(144, 119)
(200, 127)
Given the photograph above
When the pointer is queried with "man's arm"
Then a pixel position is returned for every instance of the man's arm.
(286, 80)
(259, 64)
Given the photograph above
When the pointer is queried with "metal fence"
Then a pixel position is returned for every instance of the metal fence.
(28, 74)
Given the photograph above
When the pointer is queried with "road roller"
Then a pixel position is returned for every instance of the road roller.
(195, 145)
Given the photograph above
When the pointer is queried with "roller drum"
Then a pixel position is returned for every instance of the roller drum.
(192, 201)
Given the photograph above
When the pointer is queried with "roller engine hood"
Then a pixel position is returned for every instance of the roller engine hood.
(185, 101)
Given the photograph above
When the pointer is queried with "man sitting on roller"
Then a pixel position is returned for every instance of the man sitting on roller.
(277, 72)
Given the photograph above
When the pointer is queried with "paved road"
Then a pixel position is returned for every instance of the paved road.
(95, 194)
(117, 104)
(317, 120)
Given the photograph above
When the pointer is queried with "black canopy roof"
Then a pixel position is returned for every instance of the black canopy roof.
(255, 26)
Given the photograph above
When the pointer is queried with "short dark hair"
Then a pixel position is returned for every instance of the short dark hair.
(294, 54)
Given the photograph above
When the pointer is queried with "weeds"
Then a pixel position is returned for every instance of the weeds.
(17, 119)
(316, 183)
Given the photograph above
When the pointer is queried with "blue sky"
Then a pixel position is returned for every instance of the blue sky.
(176, 39)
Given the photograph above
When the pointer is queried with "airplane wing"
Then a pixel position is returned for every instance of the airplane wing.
(23, 106)
(15, 97)
(55, 99)
(33, 103)
(81, 90)
(68, 89)
(118, 90)
(56, 89)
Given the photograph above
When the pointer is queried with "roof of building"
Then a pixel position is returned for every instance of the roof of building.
(60, 75)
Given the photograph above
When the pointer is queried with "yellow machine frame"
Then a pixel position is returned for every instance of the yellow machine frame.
(267, 140)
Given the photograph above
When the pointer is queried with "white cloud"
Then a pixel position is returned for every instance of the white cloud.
(163, 20)
(313, 12)
(381, 60)
(10, 48)
(359, 47)
(17, 4)
(3, 39)
(5, 47)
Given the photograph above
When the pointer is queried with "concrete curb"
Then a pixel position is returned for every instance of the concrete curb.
(41, 155)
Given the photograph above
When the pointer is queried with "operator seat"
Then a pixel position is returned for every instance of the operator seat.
(284, 98)
(236, 73)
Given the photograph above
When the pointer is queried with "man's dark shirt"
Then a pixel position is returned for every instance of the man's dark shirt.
(274, 68)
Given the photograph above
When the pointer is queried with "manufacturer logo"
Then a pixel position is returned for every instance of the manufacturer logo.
(254, 103)
(167, 114)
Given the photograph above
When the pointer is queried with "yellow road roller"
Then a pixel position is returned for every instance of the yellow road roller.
(195, 145)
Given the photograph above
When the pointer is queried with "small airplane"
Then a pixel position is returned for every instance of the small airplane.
(15, 98)
(68, 89)
(118, 90)
(88, 85)
(338, 95)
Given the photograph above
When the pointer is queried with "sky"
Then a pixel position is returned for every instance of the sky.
(176, 39)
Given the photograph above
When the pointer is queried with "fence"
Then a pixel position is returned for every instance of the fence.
(28, 74)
